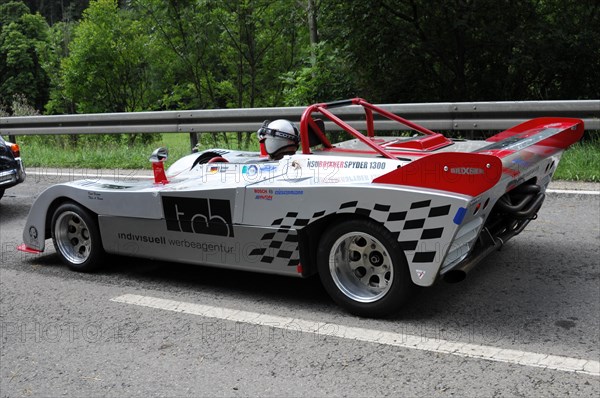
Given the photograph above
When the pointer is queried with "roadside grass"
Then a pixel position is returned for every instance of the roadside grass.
(44, 152)
(581, 162)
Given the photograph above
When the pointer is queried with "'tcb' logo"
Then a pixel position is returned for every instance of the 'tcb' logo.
(199, 216)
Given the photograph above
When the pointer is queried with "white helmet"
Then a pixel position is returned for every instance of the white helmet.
(280, 137)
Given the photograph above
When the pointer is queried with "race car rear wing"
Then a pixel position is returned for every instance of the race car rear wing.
(511, 153)
(469, 173)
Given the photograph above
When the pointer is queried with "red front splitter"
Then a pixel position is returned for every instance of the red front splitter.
(26, 249)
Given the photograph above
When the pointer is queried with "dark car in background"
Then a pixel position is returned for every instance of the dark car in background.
(12, 171)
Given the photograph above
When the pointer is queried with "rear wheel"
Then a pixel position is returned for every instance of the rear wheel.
(76, 237)
(362, 268)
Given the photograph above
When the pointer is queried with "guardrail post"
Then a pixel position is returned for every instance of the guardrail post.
(193, 140)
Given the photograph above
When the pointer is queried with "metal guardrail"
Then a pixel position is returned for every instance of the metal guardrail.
(458, 116)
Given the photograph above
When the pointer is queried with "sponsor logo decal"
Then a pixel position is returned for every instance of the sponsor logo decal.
(268, 194)
(159, 240)
(251, 170)
(520, 162)
(114, 186)
(289, 192)
(466, 170)
(94, 195)
(198, 215)
(268, 168)
(460, 215)
(263, 194)
(183, 243)
(347, 164)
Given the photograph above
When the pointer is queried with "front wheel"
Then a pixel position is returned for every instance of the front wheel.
(362, 268)
(76, 237)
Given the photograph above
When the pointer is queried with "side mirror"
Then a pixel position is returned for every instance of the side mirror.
(158, 158)
(159, 155)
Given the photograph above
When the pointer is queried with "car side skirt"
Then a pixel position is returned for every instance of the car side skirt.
(243, 250)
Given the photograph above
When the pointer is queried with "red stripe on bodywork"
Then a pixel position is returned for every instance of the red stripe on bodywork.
(465, 173)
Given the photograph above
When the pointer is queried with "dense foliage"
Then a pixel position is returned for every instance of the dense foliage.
(132, 55)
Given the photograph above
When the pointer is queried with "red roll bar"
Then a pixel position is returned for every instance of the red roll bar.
(322, 108)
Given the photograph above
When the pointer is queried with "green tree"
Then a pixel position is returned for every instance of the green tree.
(108, 65)
(223, 53)
(58, 10)
(467, 50)
(60, 37)
(23, 38)
(561, 58)
(188, 62)
(107, 69)
(325, 77)
(261, 42)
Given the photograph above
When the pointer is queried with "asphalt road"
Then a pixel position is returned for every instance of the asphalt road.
(64, 334)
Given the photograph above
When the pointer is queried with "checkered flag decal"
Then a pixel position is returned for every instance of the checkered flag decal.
(407, 226)
(284, 241)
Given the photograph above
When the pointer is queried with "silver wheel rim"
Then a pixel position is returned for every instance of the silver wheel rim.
(72, 237)
(361, 267)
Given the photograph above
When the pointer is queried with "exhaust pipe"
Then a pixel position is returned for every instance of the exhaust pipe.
(460, 271)
(520, 215)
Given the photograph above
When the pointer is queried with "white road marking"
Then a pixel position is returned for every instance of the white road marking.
(555, 362)
(572, 191)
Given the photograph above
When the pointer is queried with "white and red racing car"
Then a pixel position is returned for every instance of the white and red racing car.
(374, 216)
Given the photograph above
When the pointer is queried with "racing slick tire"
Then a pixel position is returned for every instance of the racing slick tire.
(362, 268)
(76, 238)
